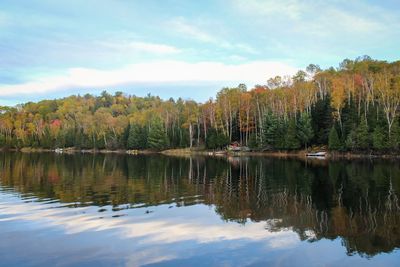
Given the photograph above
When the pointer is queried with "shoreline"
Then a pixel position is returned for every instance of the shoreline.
(301, 154)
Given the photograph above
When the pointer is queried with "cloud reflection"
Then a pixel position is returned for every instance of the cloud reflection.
(151, 234)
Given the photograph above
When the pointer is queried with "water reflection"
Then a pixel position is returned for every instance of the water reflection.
(157, 200)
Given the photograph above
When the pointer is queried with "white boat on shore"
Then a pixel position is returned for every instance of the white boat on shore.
(320, 154)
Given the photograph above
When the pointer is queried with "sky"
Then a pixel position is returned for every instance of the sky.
(180, 48)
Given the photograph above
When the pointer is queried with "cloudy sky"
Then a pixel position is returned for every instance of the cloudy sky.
(184, 48)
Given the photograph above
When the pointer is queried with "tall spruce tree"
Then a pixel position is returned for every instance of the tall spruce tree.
(362, 135)
(334, 142)
(157, 138)
(305, 131)
(137, 138)
(253, 142)
(349, 118)
(291, 141)
(271, 130)
(394, 140)
(274, 132)
(351, 140)
(379, 138)
(211, 140)
(321, 113)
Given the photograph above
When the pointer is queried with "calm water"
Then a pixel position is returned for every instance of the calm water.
(114, 210)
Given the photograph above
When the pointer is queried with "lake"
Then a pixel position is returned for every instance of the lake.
(119, 210)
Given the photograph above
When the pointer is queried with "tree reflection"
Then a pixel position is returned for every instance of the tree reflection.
(357, 201)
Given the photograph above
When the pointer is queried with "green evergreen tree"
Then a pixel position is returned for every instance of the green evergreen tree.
(334, 142)
(291, 141)
(305, 131)
(274, 132)
(78, 138)
(211, 140)
(157, 138)
(322, 120)
(394, 139)
(123, 139)
(222, 140)
(282, 127)
(60, 139)
(270, 129)
(137, 138)
(349, 117)
(46, 140)
(253, 142)
(362, 135)
(2, 140)
(351, 140)
(379, 138)
(216, 139)
(70, 136)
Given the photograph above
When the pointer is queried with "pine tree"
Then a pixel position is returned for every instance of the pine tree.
(216, 139)
(291, 141)
(157, 138)
(379, 138)
(253, 142)
(280, 134)
(137, 138)
(349, 117)
(2, 140)
(46, 140)
(351, 140)
(321, 113)
(305, 131)
(274, 132)
(334, 142)
(271, 130)
(394, 139)
(222, 140)
(362, 135)
(211, 140)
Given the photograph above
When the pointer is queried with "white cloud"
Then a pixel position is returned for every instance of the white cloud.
(350, 22)
(323, 18)
(289, 8)
(182, 26)
(256, 72)
(154, 48)
(135, 46)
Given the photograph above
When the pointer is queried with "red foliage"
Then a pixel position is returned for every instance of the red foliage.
(358, 80)
(56, 123)
(259, 89)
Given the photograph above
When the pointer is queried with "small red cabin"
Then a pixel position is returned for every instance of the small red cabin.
(235, 144)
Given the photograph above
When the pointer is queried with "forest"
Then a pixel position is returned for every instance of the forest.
(353, 107)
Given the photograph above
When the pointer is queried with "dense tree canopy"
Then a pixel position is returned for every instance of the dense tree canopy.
(360, 99)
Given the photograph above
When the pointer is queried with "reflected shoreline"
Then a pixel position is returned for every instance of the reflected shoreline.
(354, 200)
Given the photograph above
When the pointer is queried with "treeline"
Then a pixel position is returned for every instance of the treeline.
(353, 107)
